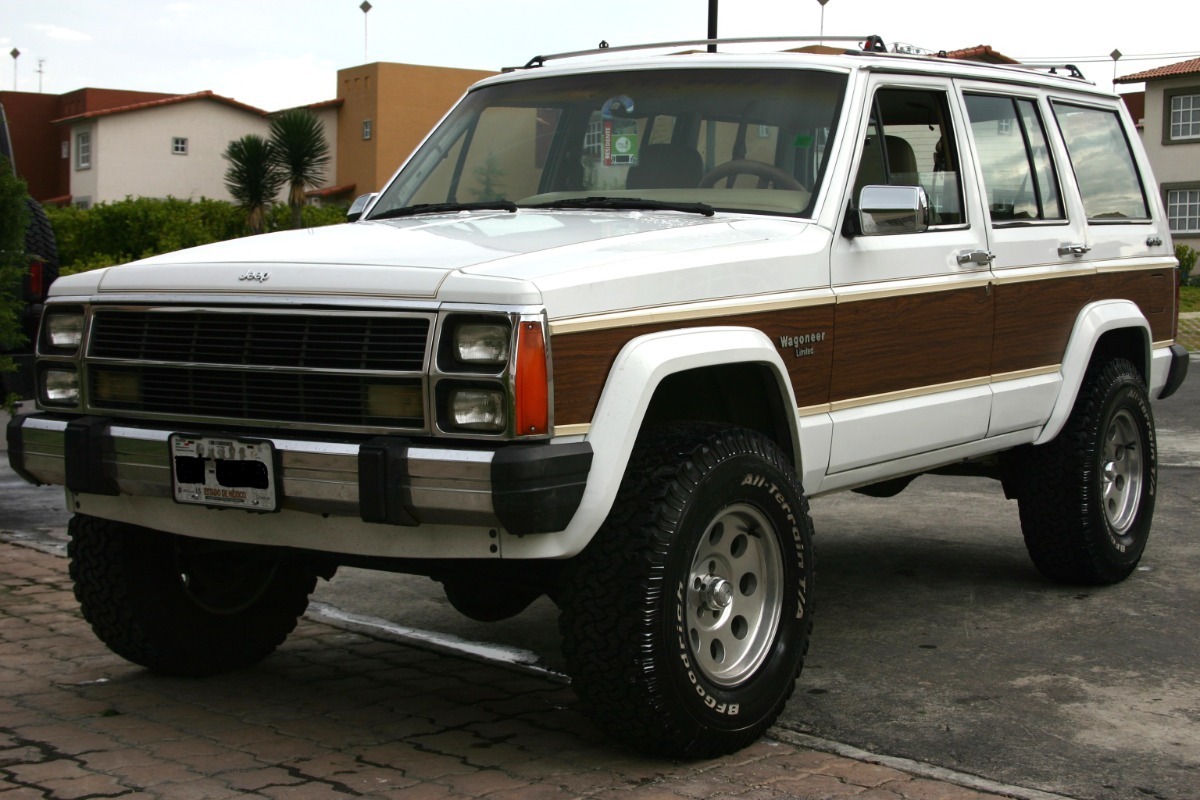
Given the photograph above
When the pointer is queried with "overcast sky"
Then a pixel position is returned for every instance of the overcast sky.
(279, 53)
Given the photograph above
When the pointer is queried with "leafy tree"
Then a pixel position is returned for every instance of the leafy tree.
(253, 179)
(300, 153)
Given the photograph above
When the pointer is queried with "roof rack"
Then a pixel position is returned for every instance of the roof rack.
(870, 44)
(1071, 70)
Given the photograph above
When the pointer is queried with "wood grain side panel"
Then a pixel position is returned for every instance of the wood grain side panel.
(1034, 320)
(908, 341)
(582, 360)
(1153, 291)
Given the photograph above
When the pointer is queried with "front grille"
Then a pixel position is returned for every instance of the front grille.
(334, 369)
(384, 343)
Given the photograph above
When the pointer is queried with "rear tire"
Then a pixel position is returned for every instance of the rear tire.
(1087, 498)
(182, 606)
(686, 620)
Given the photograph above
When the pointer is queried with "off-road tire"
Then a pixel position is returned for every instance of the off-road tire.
(702, 513)
(1086, 499)
(182, 606)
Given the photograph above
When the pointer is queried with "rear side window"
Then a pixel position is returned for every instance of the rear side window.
(1017, 171)
(1103, 162)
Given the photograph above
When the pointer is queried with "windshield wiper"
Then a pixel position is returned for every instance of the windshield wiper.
(628, 203)
(442, 208)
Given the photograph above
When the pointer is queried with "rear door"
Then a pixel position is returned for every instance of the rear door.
(1036, 228)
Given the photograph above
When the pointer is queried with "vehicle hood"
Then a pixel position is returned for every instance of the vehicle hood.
(529, 257)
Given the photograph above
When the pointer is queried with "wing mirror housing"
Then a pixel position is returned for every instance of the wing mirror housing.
(359, 206)
(889, 210)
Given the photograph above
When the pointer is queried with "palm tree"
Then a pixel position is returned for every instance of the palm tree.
(300, 153)
(252, 177)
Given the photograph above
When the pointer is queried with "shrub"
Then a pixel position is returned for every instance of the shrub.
(1187, 260)
(115, 233)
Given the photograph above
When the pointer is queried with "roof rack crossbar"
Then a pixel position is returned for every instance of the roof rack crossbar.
(870, 43)
(1072, 70)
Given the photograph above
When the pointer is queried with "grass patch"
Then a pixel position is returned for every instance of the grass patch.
(1189, 298)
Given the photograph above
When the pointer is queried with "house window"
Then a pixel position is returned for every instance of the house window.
(179, 145)
(1183, 210)
(82, 203)
(1185, 116)
(1181, 115)
(366, 129)
(83, 150)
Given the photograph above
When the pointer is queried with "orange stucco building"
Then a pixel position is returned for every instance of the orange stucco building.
(387, 109)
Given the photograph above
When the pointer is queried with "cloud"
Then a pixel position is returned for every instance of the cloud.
(61, 33)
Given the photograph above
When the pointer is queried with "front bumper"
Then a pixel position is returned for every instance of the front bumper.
(519, 488)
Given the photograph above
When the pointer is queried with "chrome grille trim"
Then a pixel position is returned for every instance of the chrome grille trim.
(276, 367)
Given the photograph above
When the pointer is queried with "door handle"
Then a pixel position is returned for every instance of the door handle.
(1073, 249)
(981, 257)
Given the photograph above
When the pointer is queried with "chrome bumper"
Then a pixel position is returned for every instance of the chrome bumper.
(527, 488)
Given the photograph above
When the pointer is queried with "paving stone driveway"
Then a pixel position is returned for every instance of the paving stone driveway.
(337, 714)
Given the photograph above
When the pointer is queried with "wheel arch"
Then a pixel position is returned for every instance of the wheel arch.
(1103, 330)
(650, 382)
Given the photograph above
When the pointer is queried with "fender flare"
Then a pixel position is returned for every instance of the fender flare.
(642, 364)
(1094, 320)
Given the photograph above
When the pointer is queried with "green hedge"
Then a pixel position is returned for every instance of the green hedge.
(115, 233)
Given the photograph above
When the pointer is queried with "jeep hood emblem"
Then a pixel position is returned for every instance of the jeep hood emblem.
(251, 275)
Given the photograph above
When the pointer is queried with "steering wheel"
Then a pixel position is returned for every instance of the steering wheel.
(766, 173)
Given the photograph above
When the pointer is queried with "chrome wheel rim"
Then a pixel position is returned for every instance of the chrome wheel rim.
(735, 595)
(1121, 480)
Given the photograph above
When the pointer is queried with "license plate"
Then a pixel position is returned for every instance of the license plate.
(223, 472)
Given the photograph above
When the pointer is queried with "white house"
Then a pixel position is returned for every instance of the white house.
(159, 148)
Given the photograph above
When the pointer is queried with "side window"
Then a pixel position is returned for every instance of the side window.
(910, 142)
(1103, 162)
(1017, 171)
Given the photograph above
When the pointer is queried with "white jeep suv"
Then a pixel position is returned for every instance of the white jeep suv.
(602, 337)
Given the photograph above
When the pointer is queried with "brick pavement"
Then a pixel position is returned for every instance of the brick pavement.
(339, 714)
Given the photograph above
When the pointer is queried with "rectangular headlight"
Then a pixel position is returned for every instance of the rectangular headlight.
(60, 386)
(64, 329)
(478, 409)
(482, 343)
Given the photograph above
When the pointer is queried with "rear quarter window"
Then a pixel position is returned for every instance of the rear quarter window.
(1102, 158)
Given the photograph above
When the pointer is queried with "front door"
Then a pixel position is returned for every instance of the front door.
(914, 314)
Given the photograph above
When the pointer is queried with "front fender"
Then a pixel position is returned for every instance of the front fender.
(640, 367)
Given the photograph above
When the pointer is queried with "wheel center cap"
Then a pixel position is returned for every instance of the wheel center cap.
(717, 594)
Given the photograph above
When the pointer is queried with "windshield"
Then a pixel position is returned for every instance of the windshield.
(732, 139)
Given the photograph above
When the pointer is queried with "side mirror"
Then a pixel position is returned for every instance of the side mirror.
(885, 210)
(359, 206)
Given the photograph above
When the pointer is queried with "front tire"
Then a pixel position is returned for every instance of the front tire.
(1087, 498)
(183, 606)
(686, 620)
